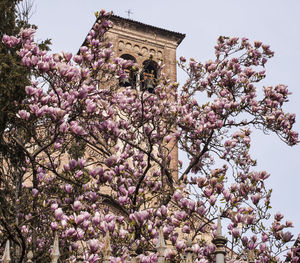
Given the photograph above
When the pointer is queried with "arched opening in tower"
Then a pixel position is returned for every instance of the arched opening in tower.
(149, 75)
(130, 80)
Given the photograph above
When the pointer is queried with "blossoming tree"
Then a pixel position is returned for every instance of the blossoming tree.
(131, 189)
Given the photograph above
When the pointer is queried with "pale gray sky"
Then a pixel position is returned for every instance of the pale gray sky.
(274, 22)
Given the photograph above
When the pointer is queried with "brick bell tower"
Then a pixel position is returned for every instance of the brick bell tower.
(146, 45)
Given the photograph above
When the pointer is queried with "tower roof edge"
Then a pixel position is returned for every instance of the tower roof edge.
(178, 37)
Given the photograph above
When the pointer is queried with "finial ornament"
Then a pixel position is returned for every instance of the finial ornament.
(161, 246)
(107, 248)
(220, 243)
(6, 256)
(29, 256)
(55, 251)
(161, 239)
(219, 226)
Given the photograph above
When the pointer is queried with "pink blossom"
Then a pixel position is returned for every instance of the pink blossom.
(180, 245)
(278, 216)
(96, 219)
(54, 226)
(70, 232)
(58, 213)
(235, 232)
(77, 129)
(77, 205)
(67, 56)
(68, 188)
(286, 236)
(79, 219)
(34, 192)
(255, 198)
(93, 245)
(23, 114)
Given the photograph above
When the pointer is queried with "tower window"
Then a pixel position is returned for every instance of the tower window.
(149, 75)
(130, 81)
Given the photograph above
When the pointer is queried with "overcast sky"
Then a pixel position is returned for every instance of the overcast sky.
(274, 22)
